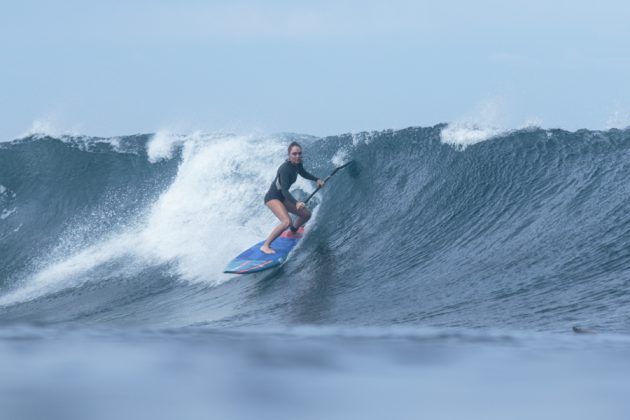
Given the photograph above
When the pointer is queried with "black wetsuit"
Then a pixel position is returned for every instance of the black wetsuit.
(286, 176)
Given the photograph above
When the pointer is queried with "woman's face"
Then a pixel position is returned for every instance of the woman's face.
(295, 155)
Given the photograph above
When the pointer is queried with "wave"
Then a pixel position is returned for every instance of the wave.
(525, 229)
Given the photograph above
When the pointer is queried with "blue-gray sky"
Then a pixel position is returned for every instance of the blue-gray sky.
(321, 67)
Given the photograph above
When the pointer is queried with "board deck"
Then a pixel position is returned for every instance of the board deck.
(253, 260)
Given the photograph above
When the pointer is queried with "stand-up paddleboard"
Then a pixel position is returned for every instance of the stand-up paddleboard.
(253, 260)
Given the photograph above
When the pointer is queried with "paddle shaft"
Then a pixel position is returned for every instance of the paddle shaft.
(326, 180)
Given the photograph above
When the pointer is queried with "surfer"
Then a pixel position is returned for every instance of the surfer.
(281, 202)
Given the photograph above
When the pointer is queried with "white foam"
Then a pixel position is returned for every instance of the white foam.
(486, 121)
(49, 127)
(340, 157)
(464, 135)
(532, 123)
(41, 128)
(363, 137)
(163, 143)
(480, 124)
(213, 210)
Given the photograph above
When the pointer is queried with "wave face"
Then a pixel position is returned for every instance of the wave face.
(527, 230)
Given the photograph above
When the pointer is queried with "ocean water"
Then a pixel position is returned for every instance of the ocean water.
(445, 274)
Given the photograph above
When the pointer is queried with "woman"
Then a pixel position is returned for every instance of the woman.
(280, 200)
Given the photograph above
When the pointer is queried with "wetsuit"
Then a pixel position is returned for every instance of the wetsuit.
(286, 176)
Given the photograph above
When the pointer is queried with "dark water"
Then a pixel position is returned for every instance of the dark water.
(434, 281)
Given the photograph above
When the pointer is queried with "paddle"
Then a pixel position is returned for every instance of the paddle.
(327, 178)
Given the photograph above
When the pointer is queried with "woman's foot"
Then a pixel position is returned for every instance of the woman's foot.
(267, 250)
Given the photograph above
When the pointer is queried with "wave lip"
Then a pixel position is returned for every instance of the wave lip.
(464, 135)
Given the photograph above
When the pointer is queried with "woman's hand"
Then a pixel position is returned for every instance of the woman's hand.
(300, 205)
(320, 183)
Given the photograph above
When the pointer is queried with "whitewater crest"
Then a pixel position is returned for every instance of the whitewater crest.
(486, 121)
(462, 135)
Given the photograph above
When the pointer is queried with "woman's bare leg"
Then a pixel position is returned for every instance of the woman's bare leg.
(278, 208)
(303, 214)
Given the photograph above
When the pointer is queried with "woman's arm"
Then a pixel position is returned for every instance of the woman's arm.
(305, 174)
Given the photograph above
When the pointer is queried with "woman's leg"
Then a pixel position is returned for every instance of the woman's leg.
(303, 214)
(278, 208)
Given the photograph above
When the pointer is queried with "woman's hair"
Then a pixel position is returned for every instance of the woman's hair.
(292, 145)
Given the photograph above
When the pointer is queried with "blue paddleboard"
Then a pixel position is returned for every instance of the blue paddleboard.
(253, 260)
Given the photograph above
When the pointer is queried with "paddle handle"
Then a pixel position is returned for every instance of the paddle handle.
(326, 180)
